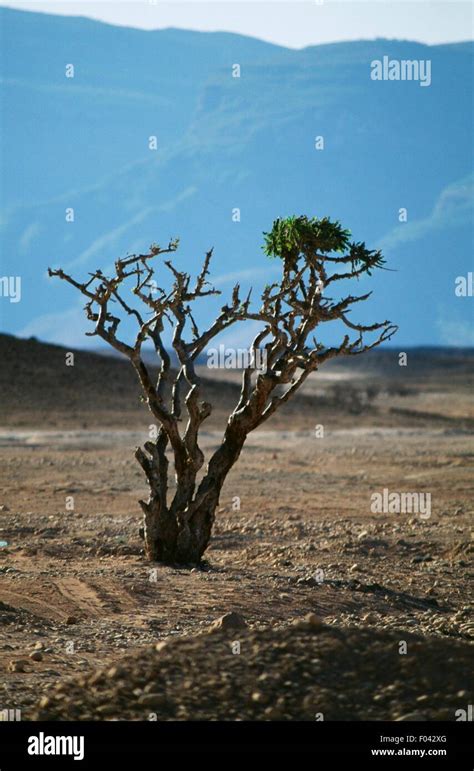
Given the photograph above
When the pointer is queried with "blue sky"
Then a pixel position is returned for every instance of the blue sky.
(438, 196)
(295, 24)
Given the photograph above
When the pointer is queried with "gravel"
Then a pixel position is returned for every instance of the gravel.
(304, 671)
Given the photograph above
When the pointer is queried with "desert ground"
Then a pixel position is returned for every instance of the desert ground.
(308, 605)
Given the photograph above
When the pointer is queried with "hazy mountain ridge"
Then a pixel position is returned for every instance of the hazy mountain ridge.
(223, 143)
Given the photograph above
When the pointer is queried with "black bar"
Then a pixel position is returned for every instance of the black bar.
(130, 742)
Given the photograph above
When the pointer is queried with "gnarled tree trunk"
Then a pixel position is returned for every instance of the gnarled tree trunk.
(180, 533)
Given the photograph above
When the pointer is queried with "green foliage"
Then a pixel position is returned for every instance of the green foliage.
(302, 235)
(365, 258)
(293, 237)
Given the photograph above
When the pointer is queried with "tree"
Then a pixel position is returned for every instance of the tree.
(316, 255)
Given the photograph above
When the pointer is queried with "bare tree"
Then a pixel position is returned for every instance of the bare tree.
(316, 255)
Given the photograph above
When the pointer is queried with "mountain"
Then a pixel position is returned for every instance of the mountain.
(226, 143)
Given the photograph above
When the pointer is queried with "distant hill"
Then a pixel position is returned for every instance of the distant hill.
(38, 390)
(225, 143)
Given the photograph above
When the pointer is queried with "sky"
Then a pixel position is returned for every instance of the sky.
(293, 24)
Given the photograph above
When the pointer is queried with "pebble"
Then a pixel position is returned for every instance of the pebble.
(230, 621)
(311, 620)
(151, 700)
(18, 665)
(371, 618)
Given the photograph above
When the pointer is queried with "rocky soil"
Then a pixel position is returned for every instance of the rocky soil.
(304, 671)
(81, 610)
